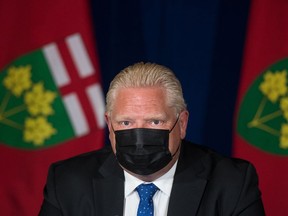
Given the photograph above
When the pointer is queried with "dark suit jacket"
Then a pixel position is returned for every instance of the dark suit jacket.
(205, 184)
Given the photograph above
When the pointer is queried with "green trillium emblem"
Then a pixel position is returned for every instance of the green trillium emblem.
(32, 114)
(36, 101)
(263, 114)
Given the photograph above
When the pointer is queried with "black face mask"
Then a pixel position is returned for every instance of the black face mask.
(143, 151)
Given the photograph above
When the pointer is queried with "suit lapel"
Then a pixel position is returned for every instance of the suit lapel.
(109, 189)
(186, 196)
(189, 183)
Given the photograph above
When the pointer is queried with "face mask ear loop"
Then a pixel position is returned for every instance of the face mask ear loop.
(112, 127)
(175, 123)
(176, 150)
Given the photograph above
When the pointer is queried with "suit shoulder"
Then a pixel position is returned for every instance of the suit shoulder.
(231, 184)
(214, 162)
(83, 163)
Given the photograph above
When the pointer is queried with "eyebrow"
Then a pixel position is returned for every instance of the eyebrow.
(160, 116)
(122, 118)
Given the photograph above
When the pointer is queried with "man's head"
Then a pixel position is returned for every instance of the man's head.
(149, 96)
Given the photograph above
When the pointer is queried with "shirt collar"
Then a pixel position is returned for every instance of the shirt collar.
(164, 183)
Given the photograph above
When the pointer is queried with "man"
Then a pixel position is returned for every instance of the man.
(147, 120)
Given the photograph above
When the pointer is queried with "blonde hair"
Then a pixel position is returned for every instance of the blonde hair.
(147, 75)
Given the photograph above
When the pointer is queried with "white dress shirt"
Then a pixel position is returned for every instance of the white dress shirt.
(160, 199)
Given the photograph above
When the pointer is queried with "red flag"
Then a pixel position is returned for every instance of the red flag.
(51, 100)
(262, 116)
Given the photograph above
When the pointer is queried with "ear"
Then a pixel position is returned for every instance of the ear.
(183, 120)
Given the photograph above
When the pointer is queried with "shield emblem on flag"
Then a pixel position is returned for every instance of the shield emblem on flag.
(45, 101)
(263, 114)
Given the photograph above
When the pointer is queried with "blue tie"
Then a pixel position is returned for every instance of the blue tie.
(146, 193)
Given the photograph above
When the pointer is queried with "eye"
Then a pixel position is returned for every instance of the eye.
(125, 123)
(156, 122)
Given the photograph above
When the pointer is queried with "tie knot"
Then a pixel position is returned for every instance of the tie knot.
(146, 191)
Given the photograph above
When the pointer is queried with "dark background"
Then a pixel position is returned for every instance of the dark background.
(202, 41)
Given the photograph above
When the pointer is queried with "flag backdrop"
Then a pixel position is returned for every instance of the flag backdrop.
(51, 99)
(200, 40)
(261, 130)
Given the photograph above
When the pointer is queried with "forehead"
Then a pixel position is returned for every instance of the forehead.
(139, 101)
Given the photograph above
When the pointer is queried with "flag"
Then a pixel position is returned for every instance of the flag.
(51, 99)
(261, 123)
